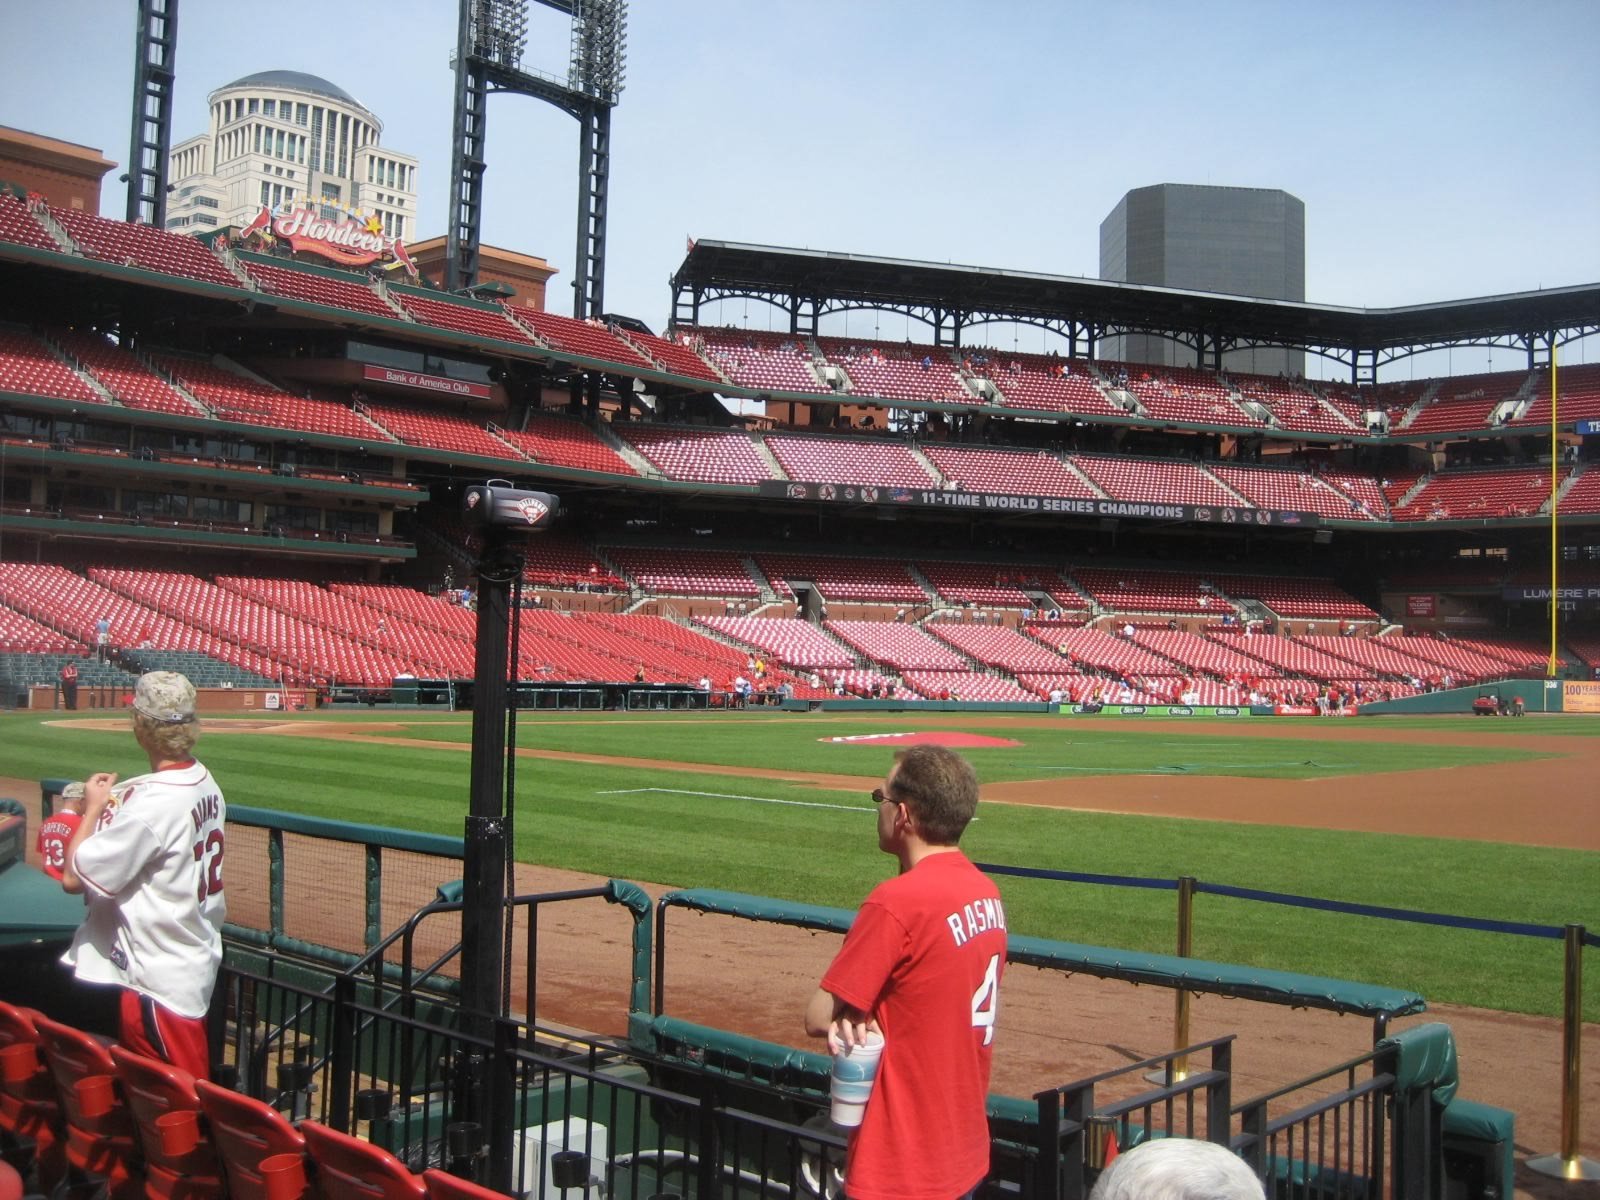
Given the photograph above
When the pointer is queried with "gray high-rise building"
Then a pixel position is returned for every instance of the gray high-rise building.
(1240, 241)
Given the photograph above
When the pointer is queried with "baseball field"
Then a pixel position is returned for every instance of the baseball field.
(1477, 818)
(1484, 818)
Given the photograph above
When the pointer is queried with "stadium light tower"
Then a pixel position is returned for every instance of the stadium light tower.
(490, 40)
(150, 143)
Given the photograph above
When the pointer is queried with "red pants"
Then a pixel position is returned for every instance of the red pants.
(160, 1033)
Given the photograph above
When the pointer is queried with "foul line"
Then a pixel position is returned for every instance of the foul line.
(732, 796)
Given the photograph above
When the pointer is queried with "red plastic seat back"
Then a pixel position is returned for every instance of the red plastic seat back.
(73, 1056)
(179, 1159)
(443, 1186)
(349, 1167)
(245, 1131)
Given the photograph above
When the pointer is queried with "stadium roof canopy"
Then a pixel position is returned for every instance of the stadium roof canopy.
(950, 296)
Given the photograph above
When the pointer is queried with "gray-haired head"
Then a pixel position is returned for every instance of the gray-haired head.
(1178, 1169)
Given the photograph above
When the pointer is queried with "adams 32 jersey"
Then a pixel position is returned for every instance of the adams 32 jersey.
(153, 873)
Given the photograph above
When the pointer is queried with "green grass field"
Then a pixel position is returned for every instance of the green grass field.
(796, 841)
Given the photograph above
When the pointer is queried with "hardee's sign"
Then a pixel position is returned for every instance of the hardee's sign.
(350, 242)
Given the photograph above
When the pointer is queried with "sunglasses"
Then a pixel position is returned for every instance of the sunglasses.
(879, 796)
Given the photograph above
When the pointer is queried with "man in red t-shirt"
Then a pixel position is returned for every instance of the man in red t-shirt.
(922, 966)
(56, 830)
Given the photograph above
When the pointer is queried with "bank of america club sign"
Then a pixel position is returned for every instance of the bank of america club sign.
(352, 241)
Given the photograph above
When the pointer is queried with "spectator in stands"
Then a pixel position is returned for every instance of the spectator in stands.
(931, 996)
(1127, 630)
(153, 926)
(1178, 1169)
(638, 674)
(69, 685)
(102, 639)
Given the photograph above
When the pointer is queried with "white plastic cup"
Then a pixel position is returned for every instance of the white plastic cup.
(853, 1076)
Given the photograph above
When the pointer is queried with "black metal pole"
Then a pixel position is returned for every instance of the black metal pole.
(484, 865)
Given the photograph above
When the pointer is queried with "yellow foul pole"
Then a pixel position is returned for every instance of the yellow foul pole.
(1555, 541)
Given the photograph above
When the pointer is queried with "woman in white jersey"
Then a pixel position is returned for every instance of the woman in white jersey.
(148, 855)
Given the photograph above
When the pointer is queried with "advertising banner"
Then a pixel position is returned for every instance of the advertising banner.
(426, 383)
(1422, 606)
(1580, 697)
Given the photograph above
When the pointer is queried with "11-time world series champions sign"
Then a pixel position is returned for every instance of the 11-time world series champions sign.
(999, 502)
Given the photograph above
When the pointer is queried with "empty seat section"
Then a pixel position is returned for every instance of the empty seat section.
(439, 431)
(1044, 383)
(71, 604)
(1178, 393)
(685, 572)
(1295, 405)
(298, 651)
(897, 371)
(311, 414)
(1317, 599)
(903, 647)
(1105, 652)
(1199, 654)
(1293, 490)
(779, 362)
(1465, 402)
(219, 389)
(1152, 481)
(787, 640)
(122, 374)
(484, 321)
(981, 583)
(672, 356)
(1375, 656)
(1014, 472)
(1469, 495)
(848, 461)
(701, 455)
(1452, 655)
(1137, 590)
(143, 246)
(583, 338)
(314, 287)
(1583, 494)
(566, 442)
(18, 226)
(28, 366)
(1359, 487)
(1577, 396)
(21, 634)
(558, 561)
(432, 611)
(968, 686)
(1290, 656)
(839, 578)
(998, 646)
(424, 649)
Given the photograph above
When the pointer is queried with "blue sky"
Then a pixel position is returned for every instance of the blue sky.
(1442, 149)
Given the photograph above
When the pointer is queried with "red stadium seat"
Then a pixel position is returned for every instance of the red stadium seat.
(99, 1126)
(31, 1126)
(347, 1166)
(246, 1132)
(442, 1186)
(179, 1160)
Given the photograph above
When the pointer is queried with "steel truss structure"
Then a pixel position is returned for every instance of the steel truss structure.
(953, 300)
(491, 37)
(150, 142)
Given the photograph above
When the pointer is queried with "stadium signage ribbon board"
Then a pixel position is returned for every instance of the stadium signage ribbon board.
(351, 242)
(426, 383)
(1584, 595)
(999, 502)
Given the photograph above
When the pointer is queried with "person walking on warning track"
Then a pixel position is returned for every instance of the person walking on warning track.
(148, 856)
(921, 966)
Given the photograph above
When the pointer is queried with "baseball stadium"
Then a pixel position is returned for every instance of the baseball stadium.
(549, 664)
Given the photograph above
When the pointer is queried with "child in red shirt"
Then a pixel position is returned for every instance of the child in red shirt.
(56, 830)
